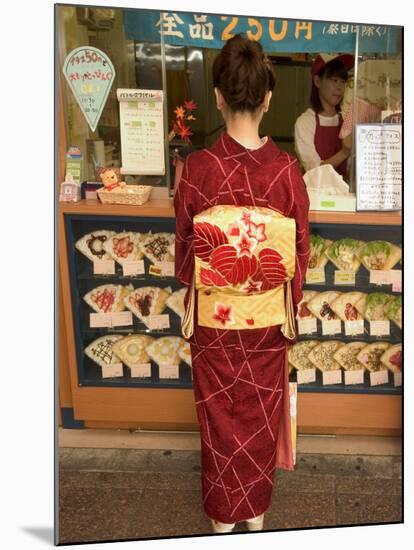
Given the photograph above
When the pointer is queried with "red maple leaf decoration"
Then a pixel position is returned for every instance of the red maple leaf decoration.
(235, 269)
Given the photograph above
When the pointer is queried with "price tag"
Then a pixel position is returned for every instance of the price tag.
(133, 267)
(104, 267)
(307, 326)
(167, 268)
(155, 270)
(141, 370)
(354, 327)
(315, 276)
(385, 277)
(331, 327)
(305, 376)
(397, 378)
(379, 377)
(332, 377)
(112, 371)
(121, 318)
(100, 320)
(354, 376)
(379, 328)
(344, 277)
(396, 287)
(156, 322)
(169, 371)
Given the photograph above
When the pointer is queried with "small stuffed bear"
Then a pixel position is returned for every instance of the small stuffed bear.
(111, 178)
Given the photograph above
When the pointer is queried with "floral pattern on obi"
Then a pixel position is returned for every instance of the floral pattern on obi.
(242, 249)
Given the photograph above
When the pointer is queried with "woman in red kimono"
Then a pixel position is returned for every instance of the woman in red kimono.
(240, 377)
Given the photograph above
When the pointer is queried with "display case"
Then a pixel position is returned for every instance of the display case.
(345, 302)
(134, 306)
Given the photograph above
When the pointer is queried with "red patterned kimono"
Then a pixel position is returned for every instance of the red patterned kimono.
(240, 377)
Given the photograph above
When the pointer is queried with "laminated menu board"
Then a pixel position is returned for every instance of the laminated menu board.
(142, 131)
(379, 166)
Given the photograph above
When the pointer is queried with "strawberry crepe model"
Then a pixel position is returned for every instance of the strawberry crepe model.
(344, 306)
(303, 310)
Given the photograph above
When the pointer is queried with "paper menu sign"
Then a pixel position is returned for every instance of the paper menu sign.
(385, 277)
(353, 328)
(332, 326)
(379, 166)
(344, 277)
(379, 328)
(104, 267)
(306, 376)
(307, 326)
(379, 377)
(354, 376)
(109, 320)
(160, 321)
(332, 377)
(112, 371)
(140, 370)
(142, 131)
(397, 378)
(315, 276)
(169, 371)
(133, 267)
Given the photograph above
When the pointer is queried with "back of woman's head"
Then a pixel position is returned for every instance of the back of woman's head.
(243, 74)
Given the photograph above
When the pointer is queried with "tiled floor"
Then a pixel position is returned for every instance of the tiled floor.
(113, 494)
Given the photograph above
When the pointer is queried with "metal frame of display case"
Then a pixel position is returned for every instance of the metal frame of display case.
(354, 411)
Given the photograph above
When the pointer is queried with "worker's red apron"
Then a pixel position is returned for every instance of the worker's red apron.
(327, 142)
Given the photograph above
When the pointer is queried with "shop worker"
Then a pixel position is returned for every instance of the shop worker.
(241, 249)
(317, 129)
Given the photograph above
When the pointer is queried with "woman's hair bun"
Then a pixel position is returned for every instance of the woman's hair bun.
(243, 73)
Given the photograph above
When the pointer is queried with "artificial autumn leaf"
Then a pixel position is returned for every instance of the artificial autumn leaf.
(190, 105)
(179, 112)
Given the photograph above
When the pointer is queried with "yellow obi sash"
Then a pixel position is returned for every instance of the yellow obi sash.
(244, 255)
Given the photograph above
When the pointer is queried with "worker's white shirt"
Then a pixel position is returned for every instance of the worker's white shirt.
(305, 128)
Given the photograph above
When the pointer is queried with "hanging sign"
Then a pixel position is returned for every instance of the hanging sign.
(90, 75)
(379, 166)
(275, 35)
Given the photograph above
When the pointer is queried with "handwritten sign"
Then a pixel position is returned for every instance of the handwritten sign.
(353, 328)
(306, 376)
(169, 371)
(142, 131)
(385, 277)
(167, 268)
(157, 322)
(307, 326)
(140, 370)
(109, 320)
(90, 75)
(112, 371)
(104, 267)
(354, 376)
(332, 326)
(379, 328)
(133, 267)
(379, 377)
(344, 277)
(379, 166)
(397, 378)
(315, 276)
(332, 377)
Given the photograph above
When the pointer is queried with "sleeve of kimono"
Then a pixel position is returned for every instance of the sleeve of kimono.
(184, 212)
(299, 210)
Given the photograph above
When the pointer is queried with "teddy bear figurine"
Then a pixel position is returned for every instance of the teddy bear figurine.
(111, 179)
